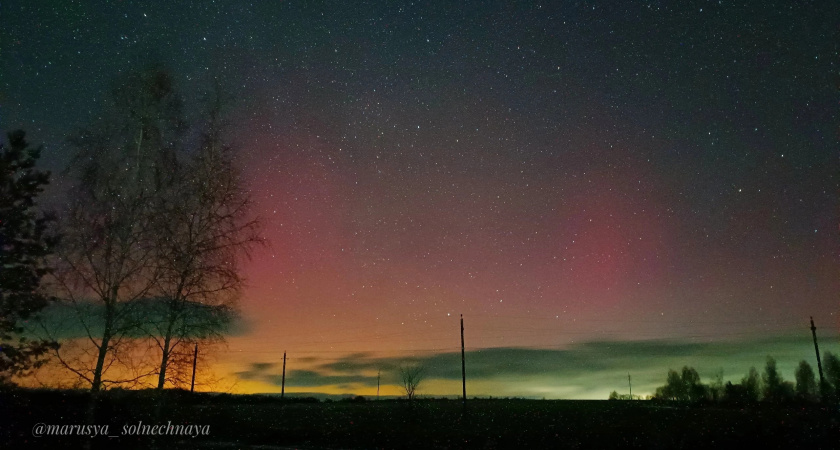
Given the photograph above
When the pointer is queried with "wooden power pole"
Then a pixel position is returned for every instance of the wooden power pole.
(631, 386)
(283, 379)
(463, 363)
(195, 361)
(817, 349)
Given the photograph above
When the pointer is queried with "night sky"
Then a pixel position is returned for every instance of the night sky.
(600, 188)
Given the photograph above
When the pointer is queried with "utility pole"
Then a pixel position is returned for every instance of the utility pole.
(817, 349)
(631, 386)
(378, 376)
(195, 361)
(463, 363)
(283, 382)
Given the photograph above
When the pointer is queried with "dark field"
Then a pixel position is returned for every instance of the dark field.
(268, 423)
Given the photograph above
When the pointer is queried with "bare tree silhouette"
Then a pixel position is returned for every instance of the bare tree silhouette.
(204, 229)
(411, 377)
(107, 260)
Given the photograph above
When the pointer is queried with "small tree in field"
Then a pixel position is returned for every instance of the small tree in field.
(411, 377)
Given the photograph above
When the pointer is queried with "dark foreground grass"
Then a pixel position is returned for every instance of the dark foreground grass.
(262, 422)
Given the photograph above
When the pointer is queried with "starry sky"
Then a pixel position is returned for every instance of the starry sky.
(600, 188)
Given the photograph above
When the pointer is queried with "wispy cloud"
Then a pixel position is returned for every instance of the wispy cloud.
(311, 378)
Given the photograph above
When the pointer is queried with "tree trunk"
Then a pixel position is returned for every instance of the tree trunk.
(167, 342)
(100, 362)
(96, 385)
(164, 361)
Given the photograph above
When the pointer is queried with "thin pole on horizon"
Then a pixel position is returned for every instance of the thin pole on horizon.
(283, 379)
(817, 350)
(629, 383)
(378, 375)
(463, 364)
(195, 361)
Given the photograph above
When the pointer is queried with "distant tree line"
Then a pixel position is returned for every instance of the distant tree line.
(768, 386)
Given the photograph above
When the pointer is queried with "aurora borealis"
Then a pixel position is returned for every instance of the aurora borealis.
(600, 188)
